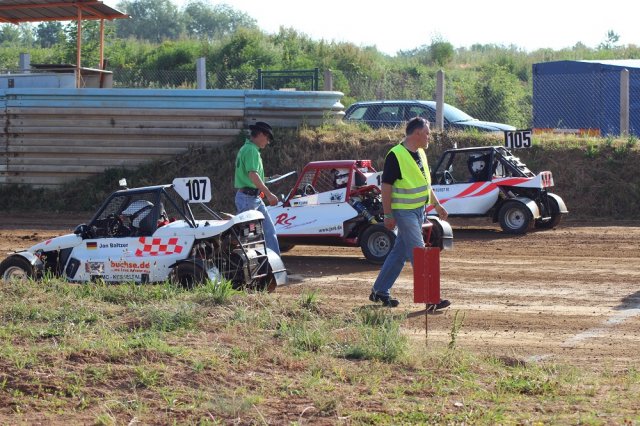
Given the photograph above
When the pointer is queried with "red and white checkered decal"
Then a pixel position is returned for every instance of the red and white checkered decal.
(158, 247)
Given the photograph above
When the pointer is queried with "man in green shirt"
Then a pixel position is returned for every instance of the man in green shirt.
(249, 180)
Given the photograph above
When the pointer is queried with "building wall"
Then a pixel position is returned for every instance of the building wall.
(584, 95)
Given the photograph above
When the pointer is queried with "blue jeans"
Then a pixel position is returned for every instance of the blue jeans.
(246, 202)
(409, 223)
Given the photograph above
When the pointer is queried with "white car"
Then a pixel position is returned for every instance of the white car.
(491, 181)
(151, 234)
(339, 203)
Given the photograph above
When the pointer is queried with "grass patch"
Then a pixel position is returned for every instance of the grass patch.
(378, 337)
(163, 355)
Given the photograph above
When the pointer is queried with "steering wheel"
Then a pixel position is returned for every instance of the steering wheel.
(115, 226)
(448, 178)
(309, 190)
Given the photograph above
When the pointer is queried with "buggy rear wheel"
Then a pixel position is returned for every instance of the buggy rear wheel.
(267, 283)
(16, 268)
(555, 214)
(188, 275)
(376, 242)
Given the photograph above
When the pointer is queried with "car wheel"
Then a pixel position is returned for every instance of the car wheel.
(376, 242)
(514, 217)
(188, 275)
(555, 215)
(16, 268)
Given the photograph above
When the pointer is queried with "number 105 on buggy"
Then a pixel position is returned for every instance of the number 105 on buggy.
(517, 138)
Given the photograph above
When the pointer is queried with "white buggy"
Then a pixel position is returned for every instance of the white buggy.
(339, 203)
(151, 234)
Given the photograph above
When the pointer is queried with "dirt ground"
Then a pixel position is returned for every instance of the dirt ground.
(570, 295)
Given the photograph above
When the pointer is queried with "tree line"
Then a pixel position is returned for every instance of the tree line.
(486, 80)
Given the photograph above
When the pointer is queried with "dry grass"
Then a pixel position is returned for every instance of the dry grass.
(595, 176)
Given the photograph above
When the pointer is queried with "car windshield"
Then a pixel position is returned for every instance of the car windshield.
(454, 115)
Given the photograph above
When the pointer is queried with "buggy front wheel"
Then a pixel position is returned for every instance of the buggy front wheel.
(16, 268)
(514, 217)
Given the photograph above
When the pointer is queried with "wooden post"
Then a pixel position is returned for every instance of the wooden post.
(624, 102)
(201, 74)
(439, 124)
(78, 47)
(328, 80)
(101, 63)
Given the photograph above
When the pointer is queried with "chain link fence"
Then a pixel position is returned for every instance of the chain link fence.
(182, 79)
(582, 102)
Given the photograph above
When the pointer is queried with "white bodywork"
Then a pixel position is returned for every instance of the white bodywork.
(477, 198)
(317, 214)
(339, 203)
(137, 259)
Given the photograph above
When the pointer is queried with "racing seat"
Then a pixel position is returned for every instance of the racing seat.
(147, 226)
(478, 167)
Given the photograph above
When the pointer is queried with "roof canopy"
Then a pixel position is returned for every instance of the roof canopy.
(18, 11)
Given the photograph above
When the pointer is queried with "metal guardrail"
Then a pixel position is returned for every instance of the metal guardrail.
(52, 136)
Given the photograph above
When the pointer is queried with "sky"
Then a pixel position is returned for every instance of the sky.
(392, 27)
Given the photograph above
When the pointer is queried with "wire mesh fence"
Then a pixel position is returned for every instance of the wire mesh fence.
(583, 101)
(355, 86)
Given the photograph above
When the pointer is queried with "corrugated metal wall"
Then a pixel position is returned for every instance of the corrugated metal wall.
(584, 95)
(51, 136)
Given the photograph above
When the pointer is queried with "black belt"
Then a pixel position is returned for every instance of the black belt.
(254, 192)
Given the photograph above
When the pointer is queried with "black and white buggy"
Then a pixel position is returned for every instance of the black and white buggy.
(151, 234)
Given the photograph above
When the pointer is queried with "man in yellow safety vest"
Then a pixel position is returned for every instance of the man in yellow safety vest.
(406, 190)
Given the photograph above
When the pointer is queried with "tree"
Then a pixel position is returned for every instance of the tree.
(90, 43)
(440, 52)
(9, 33)
(204, 21)
(498, 95)
(610, 41)
(49, 33)
(152, 20)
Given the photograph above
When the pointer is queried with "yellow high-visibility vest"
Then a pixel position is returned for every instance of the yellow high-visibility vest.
(414, 189)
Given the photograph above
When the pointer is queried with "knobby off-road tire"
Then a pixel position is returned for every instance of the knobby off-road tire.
(188, 275)
(376, 242)
(556, 216)
(514, 217)
(16, 268)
